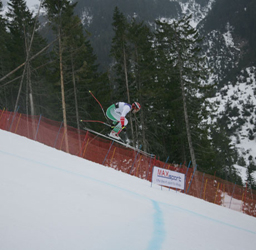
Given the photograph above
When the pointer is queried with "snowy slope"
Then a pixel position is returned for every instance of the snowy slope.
(33, 5)
(237, 102)
(53, 200)
(198, 12)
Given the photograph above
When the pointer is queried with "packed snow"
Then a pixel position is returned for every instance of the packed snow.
(54, 200)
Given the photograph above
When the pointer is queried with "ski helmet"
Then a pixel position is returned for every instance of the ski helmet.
(136, 107)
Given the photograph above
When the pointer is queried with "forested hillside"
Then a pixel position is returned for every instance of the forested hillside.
(97, 17)
(145, 51)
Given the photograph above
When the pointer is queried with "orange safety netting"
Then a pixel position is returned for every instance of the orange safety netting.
(134, 162)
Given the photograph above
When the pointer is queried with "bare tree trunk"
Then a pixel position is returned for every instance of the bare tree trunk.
(126, 77)
(191, 148)
(141, 113)
(30, 99)
(128, 93)
(76, 103)
(63, 95)
(27, 57)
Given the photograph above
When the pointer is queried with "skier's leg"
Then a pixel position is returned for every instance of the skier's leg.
(118, 127)
(115, 131)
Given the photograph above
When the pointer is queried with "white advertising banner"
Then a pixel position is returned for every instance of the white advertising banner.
(165, 177)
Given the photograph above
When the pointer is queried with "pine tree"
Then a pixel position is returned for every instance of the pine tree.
(57, 12)
(133, 60)
(19, 24)
(142, 57)
(3, 43)
(4, 59)
(81, 72)
(120, 51)
(24, 42)
(250, 170)
(75, 63)
(180, 43)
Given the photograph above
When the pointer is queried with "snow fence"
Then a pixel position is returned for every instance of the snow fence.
(134, 162)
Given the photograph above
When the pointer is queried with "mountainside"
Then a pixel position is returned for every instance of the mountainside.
(229, 47)
(229, 34)
(97, 17)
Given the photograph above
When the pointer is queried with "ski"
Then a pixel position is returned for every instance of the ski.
(95, 121)
(110, 138)
(121, 142)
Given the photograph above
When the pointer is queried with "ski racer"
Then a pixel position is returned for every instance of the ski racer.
(117, 112)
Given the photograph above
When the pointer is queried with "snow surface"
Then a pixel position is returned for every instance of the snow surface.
(198, 12)
(53, 200)
(32, 5)
(240, 95)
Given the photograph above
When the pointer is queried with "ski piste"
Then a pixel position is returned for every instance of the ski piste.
(118, 141)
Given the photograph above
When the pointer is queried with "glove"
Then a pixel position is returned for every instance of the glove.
(124, 128)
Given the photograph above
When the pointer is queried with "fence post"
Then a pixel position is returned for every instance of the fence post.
(241, 209)
(80, 153)
(2, 114)
(38, 126)
(135, 159)
(186, 177)
(202, 187)
(216, 192)
(85, 148)
(244, 203)
(112, 157)
(205, 188)
(14, 114)
(138, 167)
(152, 176)
(232, 195)
(17, 124)
(149, 166)
(57, 135)
(191, 179)
(107, 152)
(166, 161)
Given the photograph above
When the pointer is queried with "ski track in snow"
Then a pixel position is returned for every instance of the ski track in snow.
(158, 222)
(56, 201)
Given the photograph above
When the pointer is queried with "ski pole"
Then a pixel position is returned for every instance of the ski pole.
(99, 104)
(97, 121)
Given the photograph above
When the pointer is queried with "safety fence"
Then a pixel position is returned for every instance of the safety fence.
(98, 149)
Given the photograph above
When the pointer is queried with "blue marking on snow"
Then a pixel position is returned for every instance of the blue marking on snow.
(159, 232)
(158, 222)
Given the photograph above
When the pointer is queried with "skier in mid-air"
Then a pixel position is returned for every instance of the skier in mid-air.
(117, 112)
